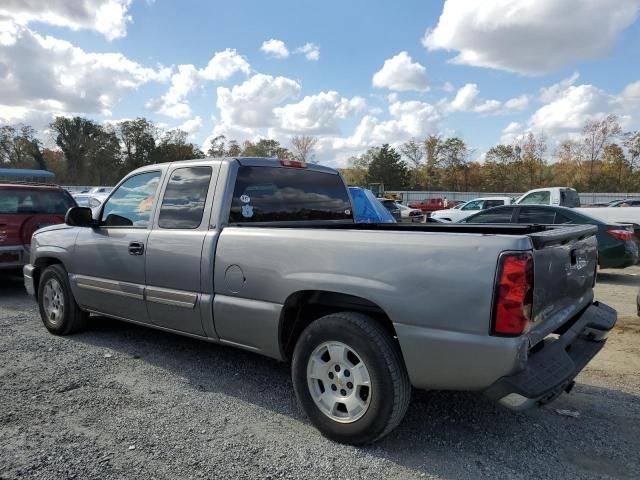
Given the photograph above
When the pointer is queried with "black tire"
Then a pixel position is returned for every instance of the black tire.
(71, 319)
(390, 386)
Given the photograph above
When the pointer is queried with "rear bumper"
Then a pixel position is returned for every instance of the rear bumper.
(551, 369)
(622, 255)
(12, 257)
(27, 275)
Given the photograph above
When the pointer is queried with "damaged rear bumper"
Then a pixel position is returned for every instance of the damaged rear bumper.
(554, 364)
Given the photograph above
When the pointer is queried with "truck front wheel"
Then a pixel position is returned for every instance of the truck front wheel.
(58, 309)
(349, 377)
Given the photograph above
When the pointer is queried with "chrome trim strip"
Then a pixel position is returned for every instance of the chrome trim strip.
(109, 286)
(176, 298)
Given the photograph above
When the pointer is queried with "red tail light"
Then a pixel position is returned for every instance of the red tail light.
(293, 164)
(621, 234)
(514, 294)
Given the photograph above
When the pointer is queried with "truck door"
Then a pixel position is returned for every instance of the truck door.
(173, 261)
(107, 273)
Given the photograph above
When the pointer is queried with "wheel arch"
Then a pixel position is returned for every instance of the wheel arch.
(304, 307)
(42, 263)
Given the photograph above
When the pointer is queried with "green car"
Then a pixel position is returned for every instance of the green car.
(617, 245)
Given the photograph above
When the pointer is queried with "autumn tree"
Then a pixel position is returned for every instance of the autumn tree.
(596, 135)
(303, 147)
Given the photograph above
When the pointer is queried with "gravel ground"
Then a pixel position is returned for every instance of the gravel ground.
(121, 401)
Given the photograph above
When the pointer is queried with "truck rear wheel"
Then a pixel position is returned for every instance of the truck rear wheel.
(349, 377)
(58, 309)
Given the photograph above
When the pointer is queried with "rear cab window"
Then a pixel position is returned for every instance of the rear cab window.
(495, 215)
(279, 194)
(32, 201)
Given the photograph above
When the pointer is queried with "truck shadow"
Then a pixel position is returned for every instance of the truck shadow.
(441, 429)
(610, 278)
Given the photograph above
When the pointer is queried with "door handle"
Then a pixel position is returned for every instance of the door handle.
(136, 248)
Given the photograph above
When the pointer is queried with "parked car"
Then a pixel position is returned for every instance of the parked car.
(428, 205)
(24, 208)
(88, 199)
(265, 255)
(101, 190)
(392, 207)
(367, 208)
(410, 215)
(624, 203)
(561, 196)
(617, 247)
(469, 208)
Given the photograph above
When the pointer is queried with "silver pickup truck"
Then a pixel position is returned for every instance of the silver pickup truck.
(264, 255)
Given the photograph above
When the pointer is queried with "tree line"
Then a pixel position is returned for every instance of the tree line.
(91, 153)
(602, 158)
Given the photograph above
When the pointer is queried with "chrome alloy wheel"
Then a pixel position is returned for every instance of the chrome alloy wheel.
(339, 382)
(53, 301)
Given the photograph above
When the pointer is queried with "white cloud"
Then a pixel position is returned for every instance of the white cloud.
(468, 99)
(412, 119)
(317, 114)
(46, 76)
(465, 98)
(275, 48)
(448, 87)
(517, 103)
(551, 93)
(529, 37)
(192, 126)
(108, 17)
(570, 106)
(511, 133)
(310, 50)
(251, 103)
(222, 66)
(400, 73)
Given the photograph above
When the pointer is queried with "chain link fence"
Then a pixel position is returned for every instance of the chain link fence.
(416, 196)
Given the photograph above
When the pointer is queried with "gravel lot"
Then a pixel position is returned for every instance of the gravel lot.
(122, 401)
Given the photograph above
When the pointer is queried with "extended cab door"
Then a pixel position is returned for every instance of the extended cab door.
(108, 270)
(174, 291)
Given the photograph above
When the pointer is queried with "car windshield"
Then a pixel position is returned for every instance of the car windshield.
(16, 201)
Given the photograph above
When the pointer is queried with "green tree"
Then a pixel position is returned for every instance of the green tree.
(414, 151)
(104, 158)
(76, 137)
(174, 146)
(138, 140)
(265, 147)
(388, 167)
(596, 135)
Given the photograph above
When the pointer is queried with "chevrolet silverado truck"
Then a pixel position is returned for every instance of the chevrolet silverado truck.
(265, 255)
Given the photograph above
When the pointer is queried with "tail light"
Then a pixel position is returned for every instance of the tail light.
(512, 310)
(293, 164)
(621, 234)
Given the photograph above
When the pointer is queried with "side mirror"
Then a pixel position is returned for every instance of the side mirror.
(79, 217)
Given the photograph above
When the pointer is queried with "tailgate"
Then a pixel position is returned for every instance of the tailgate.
(565, 261)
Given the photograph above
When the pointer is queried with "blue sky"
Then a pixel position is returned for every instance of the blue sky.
(488, 71)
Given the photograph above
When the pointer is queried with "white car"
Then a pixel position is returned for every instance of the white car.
(97, 191)
(409, 214)
(88, 199)
(467, 209)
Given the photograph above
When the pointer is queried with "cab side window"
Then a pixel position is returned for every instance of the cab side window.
(475, 205)
(131, 204)
(537, 198)
(184, 197)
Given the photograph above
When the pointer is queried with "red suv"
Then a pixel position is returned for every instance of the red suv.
(24, 208)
